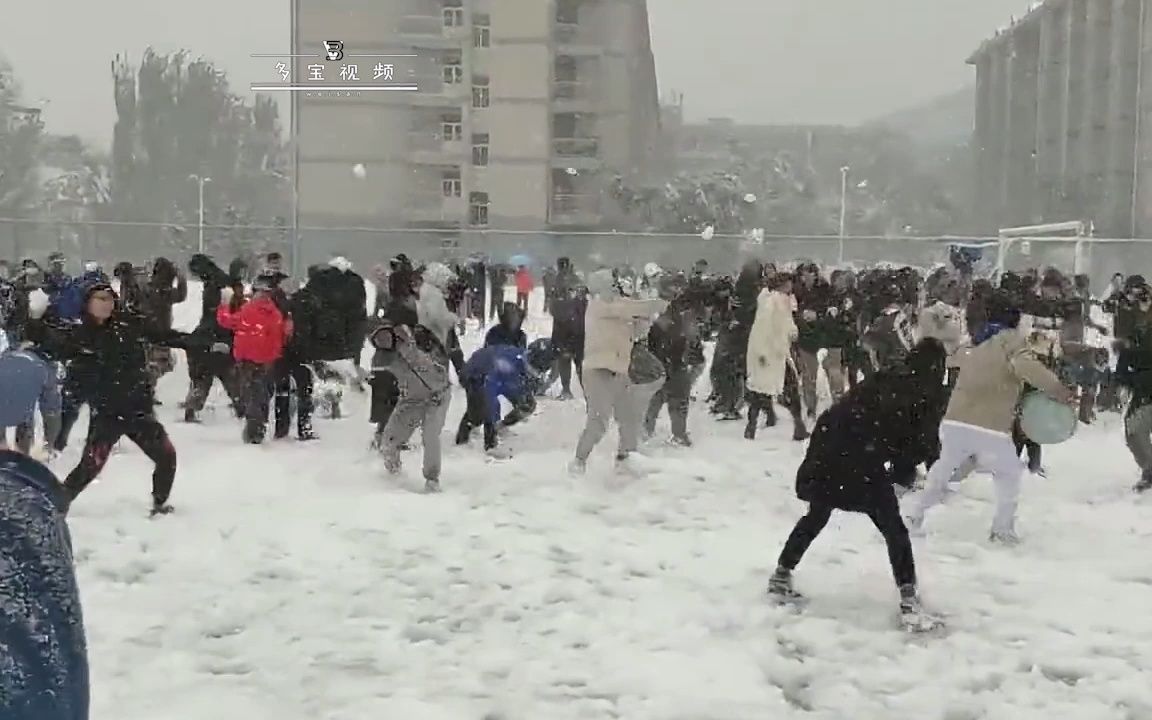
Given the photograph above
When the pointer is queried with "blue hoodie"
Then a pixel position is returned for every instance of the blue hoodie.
(500, 371)
(44, 665)
(26, 379)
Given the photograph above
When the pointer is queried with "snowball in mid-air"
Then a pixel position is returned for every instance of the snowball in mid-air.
(360, 171)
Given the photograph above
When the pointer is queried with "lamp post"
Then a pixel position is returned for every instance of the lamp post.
(200, 182)
(843, 211)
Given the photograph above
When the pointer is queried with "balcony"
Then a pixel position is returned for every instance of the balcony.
(575, 210)
(574, 96)
(426, 147)
(429, 32)
(576, 39)
(433, 208)
(435, 93)
(580, 153)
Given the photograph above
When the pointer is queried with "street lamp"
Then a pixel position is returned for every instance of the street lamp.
(201, 181)
(843, 210)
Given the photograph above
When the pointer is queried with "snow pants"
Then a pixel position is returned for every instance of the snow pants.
(429, 415)
(885, 515)
(676, 393)
(44, 668)
(257, 384)
(204, 368)
(293, 374)
(104, 431)
(994, 452)
(611, 395)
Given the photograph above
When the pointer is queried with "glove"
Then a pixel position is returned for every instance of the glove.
(221, 347)
(226, 295)
(38, 302)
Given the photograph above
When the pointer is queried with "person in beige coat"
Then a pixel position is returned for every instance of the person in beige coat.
(981, 412)
(612, 325)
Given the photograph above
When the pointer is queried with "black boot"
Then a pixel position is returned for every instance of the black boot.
(780, 586)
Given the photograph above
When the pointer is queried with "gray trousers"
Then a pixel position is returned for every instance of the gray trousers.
(608, 396)
(1138, 434)
(410, 414)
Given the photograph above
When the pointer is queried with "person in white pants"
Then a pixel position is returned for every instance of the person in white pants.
(978, 424)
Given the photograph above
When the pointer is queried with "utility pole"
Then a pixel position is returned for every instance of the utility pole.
(200, 182)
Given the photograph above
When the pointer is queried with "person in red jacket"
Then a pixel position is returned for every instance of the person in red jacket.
(260, 331)
(524, 287)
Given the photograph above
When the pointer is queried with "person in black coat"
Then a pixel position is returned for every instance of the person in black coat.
(123, 397)
(211, 359)
(872, 438)
(569, 304)
(509, 330)
(728, 361)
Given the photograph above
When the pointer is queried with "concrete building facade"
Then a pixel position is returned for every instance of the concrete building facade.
(526, 109)
(1062, 118)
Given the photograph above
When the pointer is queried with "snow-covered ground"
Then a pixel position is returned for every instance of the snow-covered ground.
(300, 582)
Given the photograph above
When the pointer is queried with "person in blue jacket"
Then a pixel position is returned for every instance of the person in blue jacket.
(492, 373)
(28, 379)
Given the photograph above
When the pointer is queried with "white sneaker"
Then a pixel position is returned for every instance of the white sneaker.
(578, 468)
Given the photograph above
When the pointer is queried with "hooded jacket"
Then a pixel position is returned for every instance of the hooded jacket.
(26, 380)
(213, 280)
(992, 377)
(116, 352)
(416, 359)
(876, 435)
(500, 371)
(613, 324)
(259, 330)
(504, 333)
(431, 306)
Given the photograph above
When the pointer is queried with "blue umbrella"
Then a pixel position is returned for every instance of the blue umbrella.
(519, 260)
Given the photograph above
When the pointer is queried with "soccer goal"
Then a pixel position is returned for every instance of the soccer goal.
(1065, 246)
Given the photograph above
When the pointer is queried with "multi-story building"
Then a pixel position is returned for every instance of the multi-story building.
(1062, 111)
(525, 111)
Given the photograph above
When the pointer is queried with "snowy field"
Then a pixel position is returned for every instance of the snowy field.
(299, 582)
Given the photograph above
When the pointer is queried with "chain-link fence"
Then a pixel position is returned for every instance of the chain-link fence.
(111, 242)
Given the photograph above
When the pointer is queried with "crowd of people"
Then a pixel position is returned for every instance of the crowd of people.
(922, 369)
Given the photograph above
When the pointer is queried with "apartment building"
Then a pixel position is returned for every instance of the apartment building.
(526, 110)
(1062, 118)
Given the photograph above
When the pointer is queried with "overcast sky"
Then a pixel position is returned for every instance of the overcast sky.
(763, 61)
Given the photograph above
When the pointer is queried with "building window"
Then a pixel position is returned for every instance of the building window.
(453, 74)
(478, 209)
(480, 149)
(480, 93)
(451, 128)
(481, 30)
(453, 14)
(450, 184)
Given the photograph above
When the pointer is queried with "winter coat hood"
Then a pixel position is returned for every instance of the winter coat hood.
(438, 275)
(341, 263)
